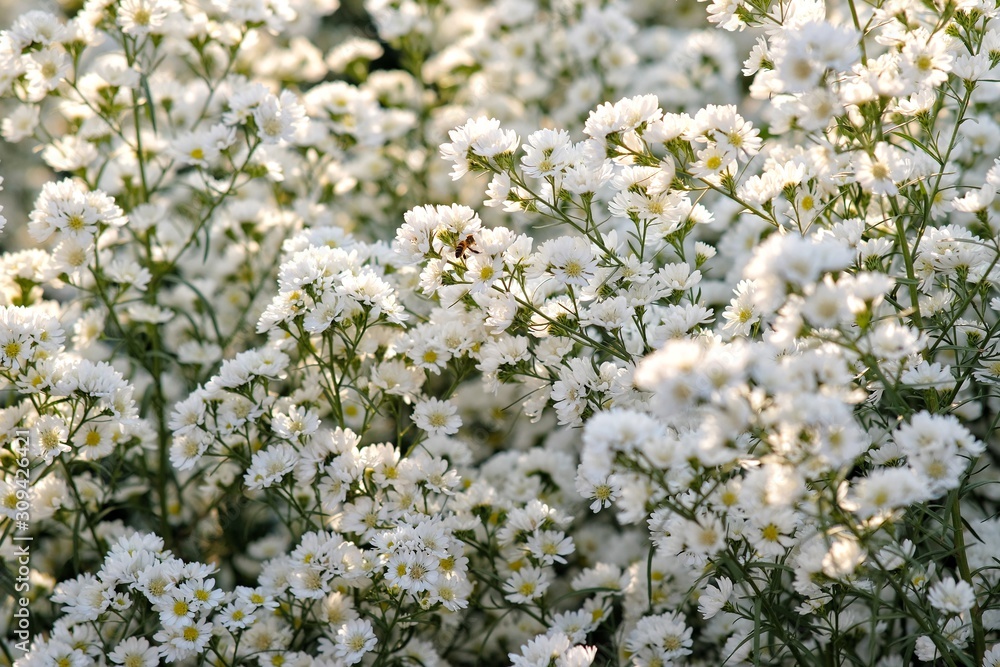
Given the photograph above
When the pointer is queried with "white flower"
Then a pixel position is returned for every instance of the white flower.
(885, 489)
(279, 118)
(664, 636)
(142, 17)
(95, 440)
(203, 147)
(925, 649)
(992, 657)
(49, 438)
(20, 123)
(65, 207)
(546, 153)
(714, 161)
(571, 260)
(45, 69)
(437, 417)
(527, 584)
(926, 375)
(741, 314)
(602, 489)
(145, 312)
(298, 422)
(354, 639)
(952, 596)
(541, 651)
(549, 546)
(268, 466)
(714, 598)
(882, 172)
(135, 652)
(843, 557)
(480, 137)
(184, 640)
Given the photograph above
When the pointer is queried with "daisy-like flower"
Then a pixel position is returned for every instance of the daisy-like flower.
(926, 59)
(95, 440)
(49, 438)
(268, 466)
(65, 207)
(602, 489)
(881, 172)
(187, 639)
(186, 450)
(542, 650)
(202, 593)
(15, 346)
(527, 584)
(437, 417)
(61, 653)
(770, 532)
(546, 153)
(20, 123)
(297, 422)
(45, 69)
(664, 637)
(177, 610)
(988, 371)
(733, 134)
(926, 375)
(741, 314)
(354, 639)
(135, 652)
(952, 596)
(142, 17)
(279, 118)
(149, 313)
(203, 147)
(886, 489)
(714, 597)
(569, 259)
(480, 137)
(713, 162)
(549, 546)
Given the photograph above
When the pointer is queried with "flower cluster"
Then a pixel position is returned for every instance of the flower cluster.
(516, 332)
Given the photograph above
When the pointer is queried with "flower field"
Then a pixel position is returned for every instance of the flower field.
(542, 333)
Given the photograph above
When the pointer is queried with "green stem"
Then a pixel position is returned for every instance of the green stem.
(962, 556)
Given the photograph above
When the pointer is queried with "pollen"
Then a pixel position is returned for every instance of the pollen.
(573, 269)
(76, 223)
(142, 16)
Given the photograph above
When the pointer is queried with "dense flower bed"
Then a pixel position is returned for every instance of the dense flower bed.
(446, 332)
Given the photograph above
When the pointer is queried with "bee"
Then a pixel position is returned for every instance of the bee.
(465, 246)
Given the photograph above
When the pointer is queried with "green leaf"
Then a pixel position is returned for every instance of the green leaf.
(149, 101)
